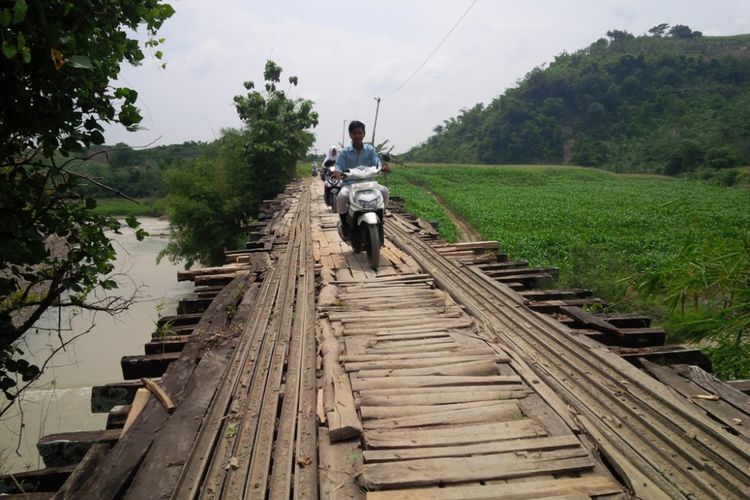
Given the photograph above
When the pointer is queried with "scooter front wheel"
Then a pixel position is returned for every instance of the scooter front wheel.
(373, 246)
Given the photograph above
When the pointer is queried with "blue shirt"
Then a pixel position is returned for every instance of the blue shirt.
(351, 158)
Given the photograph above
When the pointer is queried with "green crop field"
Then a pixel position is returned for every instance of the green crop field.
(153, 207)
(598, 227)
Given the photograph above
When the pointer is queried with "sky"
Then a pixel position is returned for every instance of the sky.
(347, 53)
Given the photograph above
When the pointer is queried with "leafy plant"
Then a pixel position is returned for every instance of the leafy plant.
(58, 60)
(212, 200)
(707, 291)
(163, 329)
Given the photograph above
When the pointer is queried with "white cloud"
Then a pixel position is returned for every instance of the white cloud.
(346, 54)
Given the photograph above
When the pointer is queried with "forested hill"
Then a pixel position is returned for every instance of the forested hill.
(669, 103)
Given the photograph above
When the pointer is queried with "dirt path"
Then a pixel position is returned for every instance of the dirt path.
(465, 231)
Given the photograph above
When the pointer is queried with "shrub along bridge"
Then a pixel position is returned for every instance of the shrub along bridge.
(451, 372)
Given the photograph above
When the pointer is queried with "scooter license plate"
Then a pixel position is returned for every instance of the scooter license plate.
(364, 185)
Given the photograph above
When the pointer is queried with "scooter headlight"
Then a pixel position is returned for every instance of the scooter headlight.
(369, 204)
(367, 199)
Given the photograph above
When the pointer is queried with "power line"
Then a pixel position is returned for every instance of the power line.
(435, 49)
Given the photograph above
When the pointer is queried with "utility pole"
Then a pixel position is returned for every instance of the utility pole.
(343, 134)
(377, 108)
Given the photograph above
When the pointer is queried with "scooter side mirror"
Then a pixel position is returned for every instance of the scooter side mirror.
(386, 157)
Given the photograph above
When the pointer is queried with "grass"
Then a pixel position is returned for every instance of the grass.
(598, 227)
(420, 202)
(153, 207)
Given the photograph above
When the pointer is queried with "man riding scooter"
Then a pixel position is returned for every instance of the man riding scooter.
(355, 155)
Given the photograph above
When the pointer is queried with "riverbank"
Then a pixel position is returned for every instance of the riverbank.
(60, 400)
(142, 207)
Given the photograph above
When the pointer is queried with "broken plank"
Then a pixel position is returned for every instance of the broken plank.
(441, 398)
(372, 412)
(595, 485)
(343, 422)
(736, 398)
(499, 411)
(409, 355)
(512, 445)
(384, 364)
(69, 448)
(446, 436)
(475, 368)
(359, 384)
(427, 471)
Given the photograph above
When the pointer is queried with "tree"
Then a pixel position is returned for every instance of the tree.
(619, 35)
(253, 164)
(680, 31)
(659, 30)
(58, 59)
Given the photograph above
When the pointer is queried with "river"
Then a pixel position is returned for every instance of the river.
(60, 400)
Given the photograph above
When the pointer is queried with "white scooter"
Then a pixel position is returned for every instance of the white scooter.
(365, 215)
(332, 187)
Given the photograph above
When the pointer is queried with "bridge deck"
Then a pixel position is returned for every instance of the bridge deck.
(310, 375)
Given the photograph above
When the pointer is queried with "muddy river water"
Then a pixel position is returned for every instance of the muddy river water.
(60, 400)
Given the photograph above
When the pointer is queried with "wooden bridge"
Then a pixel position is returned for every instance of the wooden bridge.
(298, 372)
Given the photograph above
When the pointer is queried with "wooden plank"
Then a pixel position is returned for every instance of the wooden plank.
(441, 390)
(307, 447)
(67, 448)
(139, 403)
(295, 459)
(343, 421)
(589, 319)
(371, 412)
(443, 347)
(377, 345)
(741, 385)
(105, 397)
(592, 485)
(410, 355)
(719, 409)
(49, 479)
(117, 416)
(116, 470)
(416, 363)
(467, 434)
(441, 398)
(500, 411)
(430, 381)
(175, 439)
(72, 485)
(736, 398)
(444, 325)
(388, 336)
(512, 445)
(427, 471)
(475, 368)
(148, 365)
(400, 313)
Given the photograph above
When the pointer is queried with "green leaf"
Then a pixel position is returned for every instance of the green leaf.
(97, 137)
(159, 54)
(132, 222)
(5, 18)
(19, 11)
(9, 50)
(232, 430)
(82, 62)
